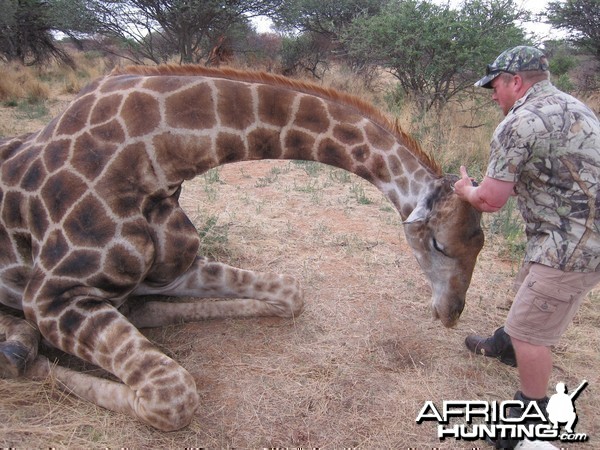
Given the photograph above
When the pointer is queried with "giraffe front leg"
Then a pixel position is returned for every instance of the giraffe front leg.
(155, 389)
(19, 347)
(255, 293)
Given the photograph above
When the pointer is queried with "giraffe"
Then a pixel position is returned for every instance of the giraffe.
(89, 217)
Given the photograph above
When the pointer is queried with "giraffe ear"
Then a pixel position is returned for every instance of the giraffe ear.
(419, 214)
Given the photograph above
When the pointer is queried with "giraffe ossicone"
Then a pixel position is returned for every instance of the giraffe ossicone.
(90, 217)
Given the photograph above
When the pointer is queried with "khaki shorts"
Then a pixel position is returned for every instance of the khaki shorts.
(546, 301)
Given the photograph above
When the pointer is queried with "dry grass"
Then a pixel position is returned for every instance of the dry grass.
(354, 369)
(31, 96)
(18, 82)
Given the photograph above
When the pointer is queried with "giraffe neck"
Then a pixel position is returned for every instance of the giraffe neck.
(191, 120)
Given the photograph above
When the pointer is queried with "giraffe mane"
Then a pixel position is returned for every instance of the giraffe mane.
(364, 107)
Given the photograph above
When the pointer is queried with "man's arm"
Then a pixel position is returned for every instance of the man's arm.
(489, 196)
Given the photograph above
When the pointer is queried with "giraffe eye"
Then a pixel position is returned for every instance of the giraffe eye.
(437, 246)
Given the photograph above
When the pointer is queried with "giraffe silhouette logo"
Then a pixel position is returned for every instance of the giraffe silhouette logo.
(561, 406)
(484, 419)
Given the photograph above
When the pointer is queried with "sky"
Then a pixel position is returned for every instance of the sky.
(263, 24)
(545, 31)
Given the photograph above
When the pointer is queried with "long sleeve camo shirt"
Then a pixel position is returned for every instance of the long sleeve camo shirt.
(549, 145)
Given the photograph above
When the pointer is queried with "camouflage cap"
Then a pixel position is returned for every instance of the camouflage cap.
(518, 59)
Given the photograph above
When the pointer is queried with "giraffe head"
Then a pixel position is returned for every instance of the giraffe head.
(446, 237)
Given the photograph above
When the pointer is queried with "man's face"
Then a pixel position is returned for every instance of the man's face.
(504, 91)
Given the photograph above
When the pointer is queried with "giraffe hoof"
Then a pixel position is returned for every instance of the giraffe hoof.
(14, 357)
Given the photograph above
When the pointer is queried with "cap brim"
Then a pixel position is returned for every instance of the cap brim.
(485, 81)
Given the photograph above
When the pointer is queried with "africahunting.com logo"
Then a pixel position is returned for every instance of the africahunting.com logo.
(478, 419)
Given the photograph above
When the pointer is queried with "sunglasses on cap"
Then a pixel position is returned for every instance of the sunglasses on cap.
(491, 69)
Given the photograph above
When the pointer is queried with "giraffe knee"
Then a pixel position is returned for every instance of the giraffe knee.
(20, 347)
(292, 301)
(168, 405)
(15, 357)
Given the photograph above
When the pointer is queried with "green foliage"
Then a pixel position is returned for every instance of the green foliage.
(156, 30)
(581, 19)
(395, 99)
(358, 191)
(71, 17)
(25, 32)
(508, 223)
(314, 29)
(312, 168)
(435, 51)
(564, 83)
(329, 17)
(31, 109)
(560, 64)
(213, 238)
(306, 52)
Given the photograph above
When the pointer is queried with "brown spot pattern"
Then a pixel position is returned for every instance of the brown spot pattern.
(11, 210)
(119, 83)
(235, 104)
(361, 153)
(15, 167)
(181, 156)
(273, 105)
(123, 267)
(79, 264)
(312, 115)
(193, 108)
(105, 109)
(348, 134)
(75, 118)
(34, 176)
(91, 155)
(38, 218)
(230, 148)
(141, 113)
(128, 180)
(330, 152)
(164, 85)
(88, 225)
(264, 143)
(395, 165)
(299, 145)
(7, 255)
(379, 168)
(53, 250)
(60, 192)
(55, 154)
(377, 138)
(109, 132)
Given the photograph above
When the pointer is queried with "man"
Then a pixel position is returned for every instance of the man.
(546, 151)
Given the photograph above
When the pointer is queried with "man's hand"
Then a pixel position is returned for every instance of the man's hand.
(462, 186)
(489, 196)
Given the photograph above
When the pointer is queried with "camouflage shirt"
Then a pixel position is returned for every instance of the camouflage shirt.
(549, 145)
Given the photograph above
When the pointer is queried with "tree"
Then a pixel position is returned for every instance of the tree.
(156, 29)
(306, 53)
(26, 28)
(581, 18)
(71, 17)
(313, 29)
(325, 17)
(433, 50)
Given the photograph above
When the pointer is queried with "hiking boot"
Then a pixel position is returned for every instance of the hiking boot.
(515, 413)
(496, 346)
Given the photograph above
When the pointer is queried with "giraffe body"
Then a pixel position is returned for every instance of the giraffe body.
(90, 217)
